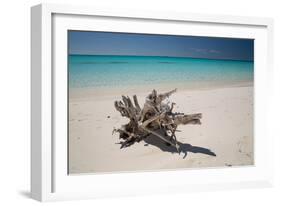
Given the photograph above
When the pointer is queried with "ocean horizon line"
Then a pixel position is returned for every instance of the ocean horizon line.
(110, 55)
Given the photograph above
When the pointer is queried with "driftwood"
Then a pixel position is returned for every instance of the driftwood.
(149, 120)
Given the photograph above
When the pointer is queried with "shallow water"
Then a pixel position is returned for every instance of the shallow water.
(95, 71)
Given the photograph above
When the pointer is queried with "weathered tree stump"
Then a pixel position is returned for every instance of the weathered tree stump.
(154, 116)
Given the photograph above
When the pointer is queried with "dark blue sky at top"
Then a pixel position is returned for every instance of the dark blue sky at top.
(109, 43)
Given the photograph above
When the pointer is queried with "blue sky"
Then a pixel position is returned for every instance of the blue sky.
(109, 43)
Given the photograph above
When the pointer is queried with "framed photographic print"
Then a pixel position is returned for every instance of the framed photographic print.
(134, 102)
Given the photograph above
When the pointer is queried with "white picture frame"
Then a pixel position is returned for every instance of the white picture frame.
(49, 179)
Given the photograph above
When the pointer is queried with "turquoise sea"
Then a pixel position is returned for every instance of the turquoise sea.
(98, 71)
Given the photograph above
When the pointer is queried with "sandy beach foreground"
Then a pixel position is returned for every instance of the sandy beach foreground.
(224, 139)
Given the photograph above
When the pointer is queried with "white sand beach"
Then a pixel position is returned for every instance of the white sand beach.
(224, 139)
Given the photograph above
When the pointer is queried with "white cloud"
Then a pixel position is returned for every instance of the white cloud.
(204, 51)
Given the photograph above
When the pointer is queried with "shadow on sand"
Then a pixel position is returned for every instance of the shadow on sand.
(184, 148)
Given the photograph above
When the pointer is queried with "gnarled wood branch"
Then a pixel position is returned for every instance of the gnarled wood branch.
(153, 116)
